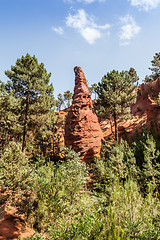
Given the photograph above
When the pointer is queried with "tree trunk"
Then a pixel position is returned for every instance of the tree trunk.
(25, 126)
(115, 125)
(111, 124)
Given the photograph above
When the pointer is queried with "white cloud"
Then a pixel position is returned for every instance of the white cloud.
(128, 30)
(145, 4)
(90, 34)
(78, 21)
(58, 30)
(86, 26)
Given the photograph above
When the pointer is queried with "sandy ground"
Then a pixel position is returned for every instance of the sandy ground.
(12, 227)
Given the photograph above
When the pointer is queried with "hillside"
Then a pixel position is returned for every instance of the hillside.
(145, 112)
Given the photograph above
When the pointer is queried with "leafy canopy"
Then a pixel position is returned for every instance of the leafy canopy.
(155, 68)
(30, 86)
(30, 81)
(116, 93)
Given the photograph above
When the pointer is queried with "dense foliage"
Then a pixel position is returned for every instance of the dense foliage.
(115, 198)
(116, 94)
(30, 86)
(64, 100)
(123, 203)
(155, 68)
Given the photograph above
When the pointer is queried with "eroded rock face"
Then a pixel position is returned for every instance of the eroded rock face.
(153, 116)
(146, 104)
(147, 92)
(82, 129)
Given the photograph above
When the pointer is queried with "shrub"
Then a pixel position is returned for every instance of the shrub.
(129, 215)
(148, 160)
(15, 170)
(119, 163)
(58, 188)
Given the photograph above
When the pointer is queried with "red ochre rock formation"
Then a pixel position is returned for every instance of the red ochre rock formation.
(153, 115)
(146, 94)
(82, 129)
(146, 104)
(145, 113)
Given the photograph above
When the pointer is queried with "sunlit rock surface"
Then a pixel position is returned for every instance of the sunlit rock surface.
(82, 129)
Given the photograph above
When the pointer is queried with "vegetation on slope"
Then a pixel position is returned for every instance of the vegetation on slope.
(115, 198)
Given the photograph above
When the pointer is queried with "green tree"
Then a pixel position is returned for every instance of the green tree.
(30, 86)
(9, 125)
(93, 89)
(147, 79)
(59, 187)
(117, 162)
(46, 139)
(155, 68)
(68, 97)
(60, 101)
(116, 93)
(132, 72)
(57, 104)
(151, 166)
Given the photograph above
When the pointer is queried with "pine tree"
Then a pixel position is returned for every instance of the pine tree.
(93, 89)
(116, 93)
(122, 161)
(59, 102)
(46, 139)
(30, 86)
(68, 97)
(15, 169)
(155, 67)
(151, 165)
(9, 126)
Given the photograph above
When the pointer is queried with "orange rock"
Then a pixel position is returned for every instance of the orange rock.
(82, 129)
(146, 104)
(147, 93)
(153, 116)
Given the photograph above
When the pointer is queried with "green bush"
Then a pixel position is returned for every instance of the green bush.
(55, 199)
(128, 216)
(83, 222)
(34, 237)
(58, 188)
(17, 175)
(118, 163)
(147, 157)
(15, 169)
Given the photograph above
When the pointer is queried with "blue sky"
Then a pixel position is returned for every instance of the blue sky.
(98, 35)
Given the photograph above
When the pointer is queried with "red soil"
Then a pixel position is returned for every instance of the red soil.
(12, 227)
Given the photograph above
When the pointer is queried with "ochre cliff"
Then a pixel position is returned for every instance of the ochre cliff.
(145, 113)
(82, 129)
(147, 94)
(146, 104)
